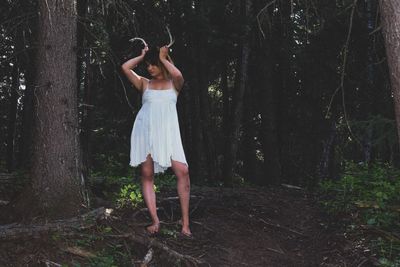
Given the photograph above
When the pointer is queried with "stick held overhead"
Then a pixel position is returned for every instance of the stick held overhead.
(171, 40)
(139, 39)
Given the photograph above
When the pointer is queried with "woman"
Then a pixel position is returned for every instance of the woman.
(155, 141)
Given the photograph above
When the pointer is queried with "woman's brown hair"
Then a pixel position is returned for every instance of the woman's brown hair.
(152, 57)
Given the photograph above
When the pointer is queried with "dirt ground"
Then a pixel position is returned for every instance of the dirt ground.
(245, 226)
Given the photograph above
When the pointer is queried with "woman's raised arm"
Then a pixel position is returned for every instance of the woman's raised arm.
(132, 76)
(176, 75)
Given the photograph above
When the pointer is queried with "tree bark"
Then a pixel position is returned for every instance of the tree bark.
(390, 18)
(56, 172)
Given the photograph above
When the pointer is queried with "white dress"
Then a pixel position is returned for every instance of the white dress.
(156, 130)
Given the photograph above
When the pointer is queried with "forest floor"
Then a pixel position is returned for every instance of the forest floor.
(245, 226)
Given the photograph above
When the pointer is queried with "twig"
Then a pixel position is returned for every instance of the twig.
(4, 202)
(79, 252)
(276, 251)
(377, 29)
(177, 197)
(143, 210)
(342, 76)
(127, 249)
(292, 186)
(282, 227)
(362, 263)
(197, 205)
(50, 263)
(112, 61)
(259, 13)
(147, 259)
(204, 226)
(86, 105)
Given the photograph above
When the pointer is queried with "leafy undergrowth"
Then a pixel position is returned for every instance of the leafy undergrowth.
(367, 200)
(126, 192)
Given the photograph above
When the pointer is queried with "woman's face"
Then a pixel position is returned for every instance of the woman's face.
(154, 70)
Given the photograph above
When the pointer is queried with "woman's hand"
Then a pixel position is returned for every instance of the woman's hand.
(164, 52)
(144, 51)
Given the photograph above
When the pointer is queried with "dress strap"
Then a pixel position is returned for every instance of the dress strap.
(173, 86)
(147, 86)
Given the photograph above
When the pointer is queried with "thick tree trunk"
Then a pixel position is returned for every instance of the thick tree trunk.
(232, 144)
(390, 18)
(56, 172)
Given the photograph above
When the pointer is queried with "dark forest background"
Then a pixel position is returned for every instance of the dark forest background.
(275, 91)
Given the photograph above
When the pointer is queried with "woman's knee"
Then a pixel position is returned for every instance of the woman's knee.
(147, 172)
(183, 171)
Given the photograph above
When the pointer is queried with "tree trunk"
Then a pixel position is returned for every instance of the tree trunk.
(232, 144)
(225, 99)
(87, 114)
(25, 142)
(248, 147)
(269, 125)
(208, 130)
(327, 154)
(390, 17)
(12, 118)
(84, 71)
(27, 66)
(56, 172)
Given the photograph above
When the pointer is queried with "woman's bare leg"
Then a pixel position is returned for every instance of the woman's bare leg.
(147, 177)
(183, 186)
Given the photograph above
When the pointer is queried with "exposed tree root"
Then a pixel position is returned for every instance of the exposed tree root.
(85, 221)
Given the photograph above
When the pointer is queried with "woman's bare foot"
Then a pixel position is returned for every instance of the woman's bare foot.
(154, 228)
(186, 231)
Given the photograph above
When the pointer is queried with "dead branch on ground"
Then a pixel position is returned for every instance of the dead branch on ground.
(85, 221)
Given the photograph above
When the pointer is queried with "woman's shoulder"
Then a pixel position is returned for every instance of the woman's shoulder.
(145, 83)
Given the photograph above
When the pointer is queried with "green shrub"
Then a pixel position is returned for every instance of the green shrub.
(130, 195)
(370, 195)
